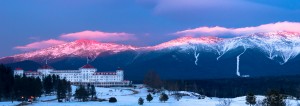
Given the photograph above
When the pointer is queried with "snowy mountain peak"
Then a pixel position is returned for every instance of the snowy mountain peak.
(280, 46)
(188, 40)
(79, 48)
(278, 34)
(86, 41)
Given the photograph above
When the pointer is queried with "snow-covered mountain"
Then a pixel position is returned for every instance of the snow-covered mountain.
(258, 54)
(78, 48)
(283, 45)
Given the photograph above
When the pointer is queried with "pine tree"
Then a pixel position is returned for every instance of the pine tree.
(69, 90)
(61, 89)
(24, 86)
(38, 87)
(250, 99)
(81, 93)
(88, 88)
(149, 97)
(92, 91)
(274, 98)
(18, 87)
(141, 101)
(55, 79)
(163, 97)
(48, 84)
(6, 82)
(30, 87)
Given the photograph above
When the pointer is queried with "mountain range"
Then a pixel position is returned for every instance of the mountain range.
(258, 54)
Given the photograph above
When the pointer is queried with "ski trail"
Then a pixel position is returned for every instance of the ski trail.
(196, 57)
(238, 63)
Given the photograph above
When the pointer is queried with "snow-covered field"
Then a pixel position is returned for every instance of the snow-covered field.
(129, 97)
(9, 103)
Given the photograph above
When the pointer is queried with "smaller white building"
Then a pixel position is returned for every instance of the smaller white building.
(87, 74)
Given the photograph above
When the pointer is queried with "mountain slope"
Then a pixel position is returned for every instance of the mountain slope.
(259, 54)
(79, 48)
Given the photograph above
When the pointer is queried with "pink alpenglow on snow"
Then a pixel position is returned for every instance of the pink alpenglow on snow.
(188, 40)
(81, 48)
(222, 31)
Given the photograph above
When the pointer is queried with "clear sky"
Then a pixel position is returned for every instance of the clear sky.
(27, 25)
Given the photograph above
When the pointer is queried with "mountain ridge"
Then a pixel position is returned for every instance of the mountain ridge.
(258, 54)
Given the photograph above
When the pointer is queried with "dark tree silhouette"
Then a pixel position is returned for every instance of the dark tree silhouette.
(141, 101)
(163, 97)
(149, 97)
(250, 99)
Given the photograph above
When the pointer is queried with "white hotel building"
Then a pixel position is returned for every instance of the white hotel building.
(87, 74)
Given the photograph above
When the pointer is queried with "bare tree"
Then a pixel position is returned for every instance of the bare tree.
(153, 80)
(177, 96)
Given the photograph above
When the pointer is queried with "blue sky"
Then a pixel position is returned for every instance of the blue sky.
(143, 22)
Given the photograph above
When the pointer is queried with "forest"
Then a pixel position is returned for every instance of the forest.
(22, 88)
(229, 87)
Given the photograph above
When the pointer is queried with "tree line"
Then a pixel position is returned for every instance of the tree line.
(275, 89)
(234, 87)
(21, 88)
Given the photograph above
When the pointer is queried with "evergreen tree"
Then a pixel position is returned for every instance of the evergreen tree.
(81, 93)
(38, 87)
(250, 99)
(149, 97)
(92, 91)
(89, 88)
(69, 90)
(141, 101)
(18, 86)
(30, 87)
(48, 84)
(6, 82)
(163, 97)
(274, 98)
(24, 87)
(61, 90)
(55, 79)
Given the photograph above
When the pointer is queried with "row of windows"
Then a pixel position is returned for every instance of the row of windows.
(94, 79)
(88, 71)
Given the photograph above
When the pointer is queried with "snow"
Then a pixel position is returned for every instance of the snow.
(9, 103)
(282, 46)
(81, 48)
(238, 63)
(126, 97)
(196, 57)
(45, 98)
(285, 45)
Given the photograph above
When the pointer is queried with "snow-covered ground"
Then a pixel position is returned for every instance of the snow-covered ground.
(129, 97)
(9, 103)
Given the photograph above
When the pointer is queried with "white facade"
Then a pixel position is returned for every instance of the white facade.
(85, 75)
(19, 72)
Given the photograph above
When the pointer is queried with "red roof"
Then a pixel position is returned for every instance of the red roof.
(87, 66)
(18, 69)
(46, 67)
